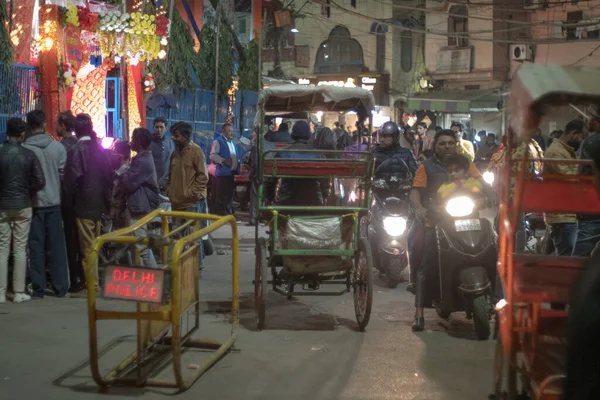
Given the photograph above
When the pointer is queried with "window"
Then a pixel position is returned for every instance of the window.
(406, 51)
(573, 18)
(353, 3)
(339, 53)
(241, 26)
(458, 26)
(380, 50)
(326, 10)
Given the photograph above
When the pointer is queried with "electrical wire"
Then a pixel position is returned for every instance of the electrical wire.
(469, 16)
(427, 31)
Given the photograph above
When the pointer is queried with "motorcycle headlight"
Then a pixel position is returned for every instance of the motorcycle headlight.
(488, 177)
(460, 206)
(394, 226)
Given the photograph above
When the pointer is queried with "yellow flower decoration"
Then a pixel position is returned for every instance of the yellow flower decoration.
(71, 15)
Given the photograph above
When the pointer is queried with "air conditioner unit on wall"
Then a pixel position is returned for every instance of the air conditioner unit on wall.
(521, 52)
(533, 4)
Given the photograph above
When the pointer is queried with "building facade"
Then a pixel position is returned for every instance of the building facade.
(361, 44)
(466, 63)
(565, 34)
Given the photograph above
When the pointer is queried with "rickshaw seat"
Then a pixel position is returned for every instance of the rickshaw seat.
(539, 278)
(554, 196)
(320, 168)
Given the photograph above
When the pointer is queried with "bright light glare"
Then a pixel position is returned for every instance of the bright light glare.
(394, 226)
(107, 142)
(294, 30)
(501, 304)
(460, 206)
(352, 196)
(488, 177)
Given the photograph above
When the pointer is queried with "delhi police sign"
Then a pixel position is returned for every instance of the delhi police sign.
(146, 285)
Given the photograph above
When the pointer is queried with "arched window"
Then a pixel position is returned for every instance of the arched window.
(458, 26)
(339, 53)
(406, 51)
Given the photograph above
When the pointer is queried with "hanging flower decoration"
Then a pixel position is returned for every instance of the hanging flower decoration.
(72, 16)
(113, 22)
(66, 75)
(142, 24)
(163, 26)
(149, 84)
(88, 21)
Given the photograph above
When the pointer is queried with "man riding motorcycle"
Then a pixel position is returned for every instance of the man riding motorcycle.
(389, 146)
(428, 179)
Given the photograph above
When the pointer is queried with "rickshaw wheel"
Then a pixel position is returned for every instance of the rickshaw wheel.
(362, 283)
(261, 288)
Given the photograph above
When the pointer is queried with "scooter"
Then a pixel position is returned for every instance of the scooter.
(388, 219)
(467, 249)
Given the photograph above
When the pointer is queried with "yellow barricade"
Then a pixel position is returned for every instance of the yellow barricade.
(161, 309)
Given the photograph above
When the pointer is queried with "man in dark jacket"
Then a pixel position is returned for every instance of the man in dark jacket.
(87, 187)
(299, 191)
(389, 135)
(21, 178)
(141, 187)
(225, 155)
(282, 135)
(64, 129)
(162, 147)
(47, 246)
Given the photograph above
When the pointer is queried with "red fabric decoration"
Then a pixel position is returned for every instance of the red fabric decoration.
(136, 72)
(88, 21)
(162, 26)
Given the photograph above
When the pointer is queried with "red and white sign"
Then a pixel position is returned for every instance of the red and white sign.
(134, 283)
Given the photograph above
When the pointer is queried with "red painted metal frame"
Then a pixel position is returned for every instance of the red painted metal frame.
(530, 280)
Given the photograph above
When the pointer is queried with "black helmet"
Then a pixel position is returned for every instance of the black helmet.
(391, 128)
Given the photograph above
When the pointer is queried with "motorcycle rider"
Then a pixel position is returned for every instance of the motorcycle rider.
(432, 173)
(389, 146)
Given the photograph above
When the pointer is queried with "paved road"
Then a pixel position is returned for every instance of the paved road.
(310, 351)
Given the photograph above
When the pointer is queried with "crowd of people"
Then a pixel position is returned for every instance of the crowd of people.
(58, 196)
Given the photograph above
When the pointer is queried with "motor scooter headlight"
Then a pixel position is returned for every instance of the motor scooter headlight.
(394, 226)
(489, 177)
(460, 206)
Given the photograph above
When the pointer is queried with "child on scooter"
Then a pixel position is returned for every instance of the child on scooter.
(458, 177)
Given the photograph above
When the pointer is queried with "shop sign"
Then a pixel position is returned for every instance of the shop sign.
(74, 47)
(376, 84)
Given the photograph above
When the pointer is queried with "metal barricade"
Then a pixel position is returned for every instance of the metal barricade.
(162, 296)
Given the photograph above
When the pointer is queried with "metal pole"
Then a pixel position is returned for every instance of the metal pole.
(261, 39)
(217, 67)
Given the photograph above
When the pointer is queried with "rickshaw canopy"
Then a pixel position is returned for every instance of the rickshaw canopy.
(536, 86)
(291, 100)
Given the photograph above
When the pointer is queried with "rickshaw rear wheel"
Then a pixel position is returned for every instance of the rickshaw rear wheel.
(261, 287)
(362, 283)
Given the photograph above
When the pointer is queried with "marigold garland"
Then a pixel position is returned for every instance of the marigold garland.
(72, 16)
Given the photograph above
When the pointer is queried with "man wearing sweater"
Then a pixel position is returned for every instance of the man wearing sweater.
(47, 237)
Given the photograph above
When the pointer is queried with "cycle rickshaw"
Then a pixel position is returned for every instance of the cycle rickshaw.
(532, 341)
(308, 248)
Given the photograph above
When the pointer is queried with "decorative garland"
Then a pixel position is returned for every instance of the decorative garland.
(149, 84)
(66, 75)
(71, 16)
(88, 21)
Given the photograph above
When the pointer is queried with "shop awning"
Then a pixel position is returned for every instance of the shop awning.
(465, 101)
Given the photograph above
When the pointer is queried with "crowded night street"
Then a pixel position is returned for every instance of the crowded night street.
(310, 349)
